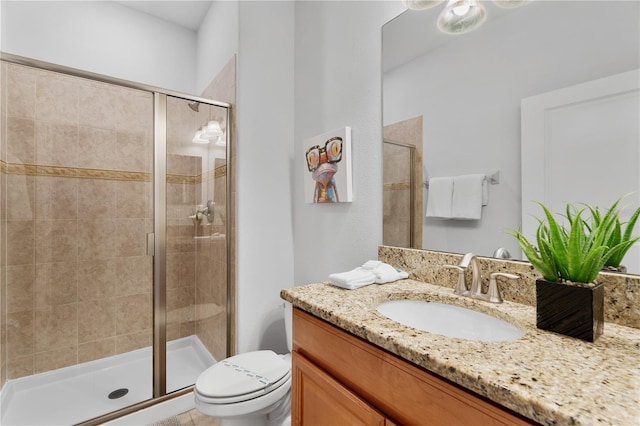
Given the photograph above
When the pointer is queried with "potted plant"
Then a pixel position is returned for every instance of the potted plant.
(569, 258)
(620, 238)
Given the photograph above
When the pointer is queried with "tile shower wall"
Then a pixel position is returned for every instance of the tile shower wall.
(212, 291)
(3, 223)
(196, 251)
(398, 182)
(76, 206)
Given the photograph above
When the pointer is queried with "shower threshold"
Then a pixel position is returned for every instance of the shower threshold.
(78, 393)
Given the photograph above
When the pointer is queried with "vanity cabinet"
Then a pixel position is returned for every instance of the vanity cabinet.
(340, 379)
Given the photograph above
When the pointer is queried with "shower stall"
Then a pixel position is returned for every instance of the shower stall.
(114, 243)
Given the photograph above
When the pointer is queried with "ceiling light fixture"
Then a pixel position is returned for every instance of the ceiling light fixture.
(461, 16)
(421, 4)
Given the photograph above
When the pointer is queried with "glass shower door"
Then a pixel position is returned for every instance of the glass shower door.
(77, 206)
(196, 248)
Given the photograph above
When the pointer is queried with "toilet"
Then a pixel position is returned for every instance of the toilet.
(250, 389)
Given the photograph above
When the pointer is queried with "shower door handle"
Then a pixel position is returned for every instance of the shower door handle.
(151, 244)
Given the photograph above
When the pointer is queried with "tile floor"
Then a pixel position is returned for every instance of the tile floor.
(189, 418)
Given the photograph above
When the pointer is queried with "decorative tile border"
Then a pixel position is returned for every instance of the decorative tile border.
(397, 185)
(622, 291)
(78, 172)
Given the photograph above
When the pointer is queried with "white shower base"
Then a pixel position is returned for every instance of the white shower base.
(78, 393)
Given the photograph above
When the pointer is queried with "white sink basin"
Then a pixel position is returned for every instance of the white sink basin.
(449, 320)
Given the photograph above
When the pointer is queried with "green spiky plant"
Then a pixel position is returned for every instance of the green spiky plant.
(577, 252)
(621, 239)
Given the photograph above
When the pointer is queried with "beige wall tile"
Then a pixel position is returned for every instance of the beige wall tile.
(134, 275)
(184, 165)
(3, 197)
(21, 91)
(133, 313)
(56, 284)
(20, 333)
(99, 106)
(131, 237)
(56, 144)
(96, 279)
(96, 199)
(56, 99)
(20, 288)
(56, 241)
(56, 358)
(21, 239)
(135, 111)
(187, 269)
(3, 321)
(173, 270)
(181, 305)
(20, 197)
(96, 350)
(181, 194)
(133, 199)
(96, 238)
(134, 151)
(20, 366)
(56, 327)
(96, 148)
(21, 141)
(133, 341)
(187, 328)
(173, 331)
(96, 320)
(56, 198)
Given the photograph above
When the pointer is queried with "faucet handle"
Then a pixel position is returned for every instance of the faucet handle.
(493, 294)
(461, 287)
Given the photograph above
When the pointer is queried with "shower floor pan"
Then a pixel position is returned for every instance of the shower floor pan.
(77, 393)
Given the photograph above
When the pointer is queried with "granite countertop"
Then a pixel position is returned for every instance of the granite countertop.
(544, 376)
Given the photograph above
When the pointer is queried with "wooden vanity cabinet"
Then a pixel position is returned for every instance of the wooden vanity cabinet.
(340, 379)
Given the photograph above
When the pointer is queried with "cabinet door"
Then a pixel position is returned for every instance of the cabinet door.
(318, 399)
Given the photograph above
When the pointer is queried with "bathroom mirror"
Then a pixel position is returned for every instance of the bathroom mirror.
(467, 91)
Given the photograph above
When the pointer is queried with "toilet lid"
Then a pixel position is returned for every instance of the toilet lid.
(248, 373)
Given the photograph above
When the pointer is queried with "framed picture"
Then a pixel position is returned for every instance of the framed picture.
(327, 166)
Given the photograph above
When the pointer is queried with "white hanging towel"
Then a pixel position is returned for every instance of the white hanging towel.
(469, 193)
(439, 197)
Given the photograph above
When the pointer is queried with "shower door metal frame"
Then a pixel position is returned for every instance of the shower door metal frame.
(157, 241)
(412, 197)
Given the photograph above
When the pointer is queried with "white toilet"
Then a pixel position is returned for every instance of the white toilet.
(249, 389)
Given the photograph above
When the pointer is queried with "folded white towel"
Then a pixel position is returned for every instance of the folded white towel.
(439, 197)
(371, 264)
(386, 273)
(371, 272)
(353, 279)
(467, 197)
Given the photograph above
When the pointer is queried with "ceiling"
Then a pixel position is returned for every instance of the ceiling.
(188, 14)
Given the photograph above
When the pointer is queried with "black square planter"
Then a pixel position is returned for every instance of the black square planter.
(573, 310)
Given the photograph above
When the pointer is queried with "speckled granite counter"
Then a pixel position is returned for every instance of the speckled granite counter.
(546, 377)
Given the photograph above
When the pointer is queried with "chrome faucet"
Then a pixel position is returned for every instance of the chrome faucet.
(492, 295)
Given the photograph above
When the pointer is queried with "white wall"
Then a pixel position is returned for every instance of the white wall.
(469, 91)
(103, 37)
(337, 83)
(264, 119)
(217, 41)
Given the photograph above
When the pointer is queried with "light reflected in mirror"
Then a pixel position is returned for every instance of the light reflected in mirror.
(468, 90)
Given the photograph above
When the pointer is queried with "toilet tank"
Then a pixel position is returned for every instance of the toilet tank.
(288, 324)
